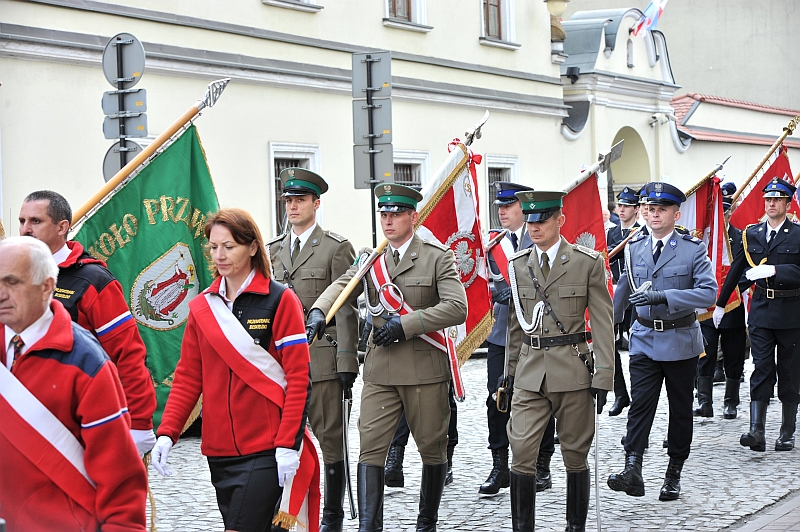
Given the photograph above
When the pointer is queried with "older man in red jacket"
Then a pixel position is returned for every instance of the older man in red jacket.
(68, 462)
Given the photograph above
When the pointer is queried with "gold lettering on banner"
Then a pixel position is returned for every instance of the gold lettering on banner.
(121, 240)
(151, 207)
(198, 222)
(183, 211)
(106, 243)
(131, 224)
(167, 206)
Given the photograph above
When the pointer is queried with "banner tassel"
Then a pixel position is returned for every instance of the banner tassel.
(150, 495)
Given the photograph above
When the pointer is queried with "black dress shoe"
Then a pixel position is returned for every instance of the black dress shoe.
(620, 403)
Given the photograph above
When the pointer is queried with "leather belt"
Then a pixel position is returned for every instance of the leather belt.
(665, 325)
(538, 342)
(772, 294)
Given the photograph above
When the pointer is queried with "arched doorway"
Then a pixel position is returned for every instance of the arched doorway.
(633, 168)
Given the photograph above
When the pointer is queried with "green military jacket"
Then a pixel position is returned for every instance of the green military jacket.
(323, 259)
(429, 282)
(577, 282)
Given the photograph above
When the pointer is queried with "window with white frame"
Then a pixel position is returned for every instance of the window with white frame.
(412, 167)
(499, 168)
(289, 155)
(406, 15)
(498, 24)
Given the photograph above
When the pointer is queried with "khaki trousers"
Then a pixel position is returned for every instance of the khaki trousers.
(325, 417)
(427, 412)
(530, 412)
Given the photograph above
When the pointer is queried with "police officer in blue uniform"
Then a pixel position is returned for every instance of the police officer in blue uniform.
(730, 332)
(771, 260)
(668, 276)
(628, 201)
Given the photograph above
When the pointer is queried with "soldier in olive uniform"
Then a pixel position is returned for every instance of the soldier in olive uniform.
(402, 371)
(551, 368)
(307, 259)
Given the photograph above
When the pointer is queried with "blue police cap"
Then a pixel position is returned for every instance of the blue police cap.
(506, 191)
(779, 188)
(728, 188)
(659, 193)
(642, 195)
(628, 196)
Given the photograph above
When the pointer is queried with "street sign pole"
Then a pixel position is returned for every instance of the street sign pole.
(372, 181)
(121, 101)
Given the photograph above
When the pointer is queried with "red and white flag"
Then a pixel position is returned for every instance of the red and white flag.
(449, 214)
(703, 215)
(649, 19)
(750, 208)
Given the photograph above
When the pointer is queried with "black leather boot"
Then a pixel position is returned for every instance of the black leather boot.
(523, 502)
(671, 489)
(731, 398)
(630, 479)
(578, 484)
(370, 498)
(755, 438)
(449, 478)
(704, 390)
(620, 403)
(333, 511)
(785, 441)
(430, 496)
(498, 477)
(394, 466)
(543, 479)
(719, 372)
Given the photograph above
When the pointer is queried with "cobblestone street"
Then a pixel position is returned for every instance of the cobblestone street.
(723, 484)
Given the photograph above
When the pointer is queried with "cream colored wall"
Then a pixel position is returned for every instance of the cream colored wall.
(735, 119)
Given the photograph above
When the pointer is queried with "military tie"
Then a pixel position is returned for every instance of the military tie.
(545, 265)
(18, 344)
(657, 252)
(771, 236)
(514, 241)
(295, 250)
(396, 257)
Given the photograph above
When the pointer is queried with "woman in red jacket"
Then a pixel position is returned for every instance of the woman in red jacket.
(245, 350)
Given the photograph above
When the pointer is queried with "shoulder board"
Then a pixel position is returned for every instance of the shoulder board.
(748, 226)
(520, 253)
(586, 251)
(681, 230)
(276, 239)
(436, 245)
(495, 231)
(335, 236)
(638, 238)
(692, 239)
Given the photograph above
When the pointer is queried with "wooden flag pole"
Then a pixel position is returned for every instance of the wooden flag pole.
(212, 94)
(788, 130)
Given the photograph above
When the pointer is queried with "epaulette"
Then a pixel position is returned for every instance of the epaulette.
(495, 231)
(681, 230)
(335, 236)
(436, 244)
(276, 239)
(586, 251)
(520, 253)
(692, 239)
(638, 238)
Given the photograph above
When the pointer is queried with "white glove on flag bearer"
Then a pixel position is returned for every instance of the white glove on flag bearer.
(160, 454)
(719, 312)
(144, 440)
(760, 272)
(288, 461)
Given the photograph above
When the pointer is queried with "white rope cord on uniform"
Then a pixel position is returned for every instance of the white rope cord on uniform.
(538, 310)
(378, 309)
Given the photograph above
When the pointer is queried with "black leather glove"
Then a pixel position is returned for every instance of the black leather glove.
(600, 397)
(347, 378)
(502, 296)
(315, 325)
(392, 330)
(649, 297)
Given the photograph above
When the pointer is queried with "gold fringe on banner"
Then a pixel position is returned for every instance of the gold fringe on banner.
(194, 415)
(286, 521)
(150, 495)
(2, 230)
(475, 338)
(446, 185)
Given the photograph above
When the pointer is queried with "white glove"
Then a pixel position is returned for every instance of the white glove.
(760, 272)
(160, 454)
(288, 461)
(144, 440)
(719, 312)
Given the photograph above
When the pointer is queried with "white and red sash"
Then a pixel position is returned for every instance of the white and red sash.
(438, 339)
(259, 370)
(500, 252)
(41, 437)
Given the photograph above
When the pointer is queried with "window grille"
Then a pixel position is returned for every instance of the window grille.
(280, 208)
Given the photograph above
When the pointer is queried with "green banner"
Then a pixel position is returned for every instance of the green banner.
(150, 233)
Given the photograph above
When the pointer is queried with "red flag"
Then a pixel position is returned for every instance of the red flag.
(451, 217)
(751, 206)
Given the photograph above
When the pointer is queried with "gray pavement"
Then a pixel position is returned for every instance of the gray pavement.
(724, 486)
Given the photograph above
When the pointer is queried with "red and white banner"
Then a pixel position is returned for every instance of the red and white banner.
(500, 251)
(703, 215)
(750, 207)
(650, 16)
(449, 214)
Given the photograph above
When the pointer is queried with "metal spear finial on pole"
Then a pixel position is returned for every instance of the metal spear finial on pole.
(211, 96)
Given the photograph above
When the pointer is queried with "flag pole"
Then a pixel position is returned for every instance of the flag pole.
(604, 160)
(470, 135)
(788, 130)
(213, 92)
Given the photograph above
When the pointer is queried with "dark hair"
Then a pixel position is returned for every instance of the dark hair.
(58, 209)
(612, 206)
(244, 230)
